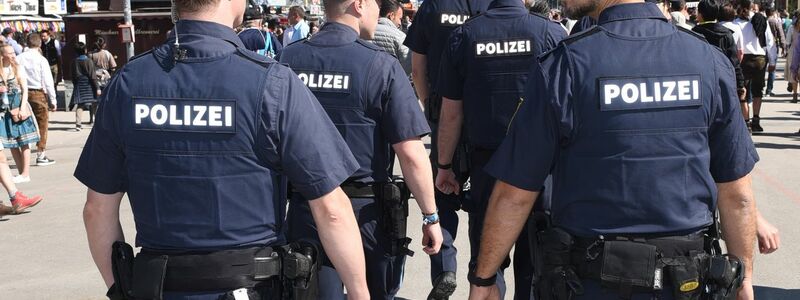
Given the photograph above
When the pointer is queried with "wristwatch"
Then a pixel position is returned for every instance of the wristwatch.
(430, 219)
(481, 282)
(444, 167)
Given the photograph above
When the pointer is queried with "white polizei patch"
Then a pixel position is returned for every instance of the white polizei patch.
(503, 48)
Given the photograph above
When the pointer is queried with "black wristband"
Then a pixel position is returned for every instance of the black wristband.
(444, 167)
(481, 282)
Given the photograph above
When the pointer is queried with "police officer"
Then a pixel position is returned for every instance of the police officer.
(427, 37)
(253, 35)
(484, 69)
(643, 149)
(199, 133)
(368, 96)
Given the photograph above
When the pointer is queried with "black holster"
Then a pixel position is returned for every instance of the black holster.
(393, 201)
(554, 276)
(301, 261)
(122, 266)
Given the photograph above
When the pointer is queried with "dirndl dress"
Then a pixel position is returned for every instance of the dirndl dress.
(17, 134)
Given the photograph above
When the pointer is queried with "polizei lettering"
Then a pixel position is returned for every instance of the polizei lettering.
(453, 19)
(503, 48)
(649, 92)
(325, 81)
(212, 116)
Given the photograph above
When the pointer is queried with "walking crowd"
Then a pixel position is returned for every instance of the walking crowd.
(31, 66)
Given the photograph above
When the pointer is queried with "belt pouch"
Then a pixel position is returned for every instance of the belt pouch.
(628, 267)
(684, 274)
(148, 277)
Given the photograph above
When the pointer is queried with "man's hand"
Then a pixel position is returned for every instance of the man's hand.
(52, 107)
(769, 239)
(746, 293)
(447, 183)
(431, 238)
(771, 68)
(484, 293)
(3, 89)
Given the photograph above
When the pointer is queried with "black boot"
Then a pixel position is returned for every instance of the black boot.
(757, 124)
(443, 286)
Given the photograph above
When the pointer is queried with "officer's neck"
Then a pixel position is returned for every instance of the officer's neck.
(215, 15)
(347, 20)
(603, 4)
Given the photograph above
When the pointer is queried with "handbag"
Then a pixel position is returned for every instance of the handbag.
(14, 111)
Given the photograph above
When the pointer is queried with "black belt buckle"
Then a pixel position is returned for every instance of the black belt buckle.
(266, 267)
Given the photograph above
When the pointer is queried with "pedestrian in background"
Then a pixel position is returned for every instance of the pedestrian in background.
(41, 92)
(388, 35)
(760, 54)
(51, 49)
(8, 33)
(85, 89)
(298, 27)
(19, 130)
(776, 26)
(103, 60)
(791, 40)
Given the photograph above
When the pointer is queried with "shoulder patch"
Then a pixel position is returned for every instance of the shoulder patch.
(580, 35)
(369, 45)
(692, 33)
(255, 57)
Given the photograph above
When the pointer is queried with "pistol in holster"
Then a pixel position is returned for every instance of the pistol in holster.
(393, 202)
(300, 262)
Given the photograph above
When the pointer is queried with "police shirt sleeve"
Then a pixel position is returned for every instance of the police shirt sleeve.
(402, 116)
(451, 80)
(101, 164)
(528, 152)
(311, 152)
(417, 39)
(733, 154)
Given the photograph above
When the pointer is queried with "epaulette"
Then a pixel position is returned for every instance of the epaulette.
(297, 41)
(368, 45)
(692, 33)
(541, 16)
(472, 18)
(255, 57)
(141, 54)
(583, 34)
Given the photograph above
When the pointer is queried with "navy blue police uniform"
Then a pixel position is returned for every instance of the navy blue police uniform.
(261, 41)
(368, 96)
(201, 146)
(635, 142)
(485, 65)
(427, 35)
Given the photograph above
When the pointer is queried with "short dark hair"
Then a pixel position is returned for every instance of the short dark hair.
(194, 5)
(80, 48)
(770, 11)
(389, 6)
(299, 11)
(34, 40)
(709, 9)
(99, 43)
(540, 7)
(727, 13)
(677, 5)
